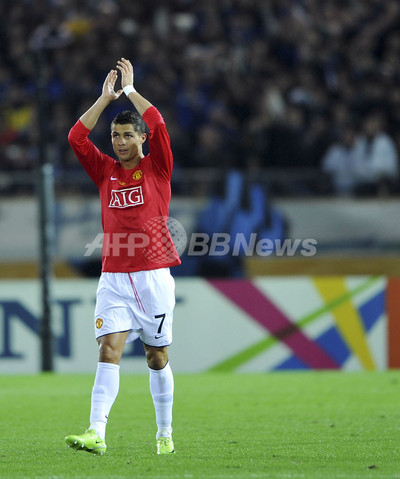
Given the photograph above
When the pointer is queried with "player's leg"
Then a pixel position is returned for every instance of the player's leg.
(162, 391)
(152, 305)
(104, 393)
(113, 326)
(106, 384)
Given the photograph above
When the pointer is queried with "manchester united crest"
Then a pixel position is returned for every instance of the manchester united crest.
(99, 323)
(137, 175)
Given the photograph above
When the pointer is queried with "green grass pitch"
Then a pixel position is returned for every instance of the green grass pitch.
(276, 425)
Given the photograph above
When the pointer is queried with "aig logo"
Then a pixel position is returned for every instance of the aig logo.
(126, 198)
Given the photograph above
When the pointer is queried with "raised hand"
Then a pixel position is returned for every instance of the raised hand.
(108, 91)
(126, 69)
(108, 94)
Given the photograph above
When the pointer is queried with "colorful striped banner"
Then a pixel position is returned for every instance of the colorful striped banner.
(353, 314)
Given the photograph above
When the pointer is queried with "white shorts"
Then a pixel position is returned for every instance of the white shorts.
(141, 303)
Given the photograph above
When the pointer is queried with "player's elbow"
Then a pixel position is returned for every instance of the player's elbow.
(71, 136)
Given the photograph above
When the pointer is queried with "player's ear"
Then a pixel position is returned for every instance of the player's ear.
(143, 137)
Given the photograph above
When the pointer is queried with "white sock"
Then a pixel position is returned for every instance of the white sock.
(162, 391)
(104, 392)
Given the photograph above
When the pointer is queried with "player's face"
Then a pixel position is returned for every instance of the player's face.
(127, 144)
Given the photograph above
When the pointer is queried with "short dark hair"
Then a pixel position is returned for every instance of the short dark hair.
(129, 117)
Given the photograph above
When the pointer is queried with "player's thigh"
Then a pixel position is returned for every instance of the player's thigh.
(157, 329)
(159, 302)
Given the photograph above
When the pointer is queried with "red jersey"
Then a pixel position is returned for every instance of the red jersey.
(134, 203)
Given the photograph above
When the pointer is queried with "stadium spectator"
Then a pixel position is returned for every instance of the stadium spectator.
(339, 161)
(375, 158)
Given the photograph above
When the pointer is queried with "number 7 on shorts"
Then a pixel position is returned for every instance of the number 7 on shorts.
(162, 316)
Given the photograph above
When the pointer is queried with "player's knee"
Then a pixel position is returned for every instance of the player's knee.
(156, 358)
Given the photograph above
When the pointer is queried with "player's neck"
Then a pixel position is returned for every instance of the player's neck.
(132, 163)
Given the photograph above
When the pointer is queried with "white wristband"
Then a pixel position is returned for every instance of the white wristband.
(128, 89)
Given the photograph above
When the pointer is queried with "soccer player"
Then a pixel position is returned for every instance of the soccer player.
(136, 292)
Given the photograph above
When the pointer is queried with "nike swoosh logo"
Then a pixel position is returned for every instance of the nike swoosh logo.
(98, 442)
(158, 337)
(112, 178)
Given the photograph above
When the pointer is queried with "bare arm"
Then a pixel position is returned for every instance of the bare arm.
(139, 102)
(108, 94)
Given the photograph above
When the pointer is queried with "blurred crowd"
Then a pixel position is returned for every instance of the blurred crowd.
(248, 84)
